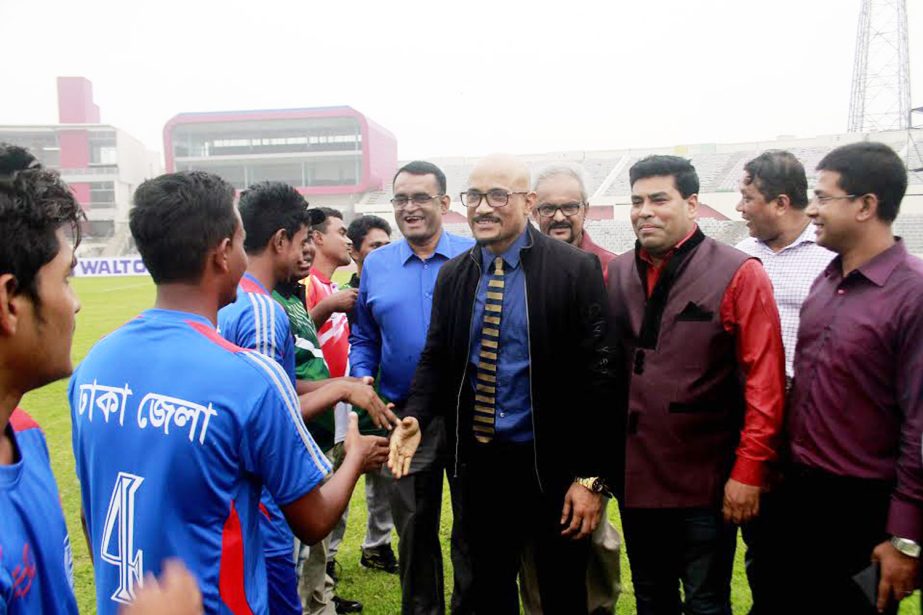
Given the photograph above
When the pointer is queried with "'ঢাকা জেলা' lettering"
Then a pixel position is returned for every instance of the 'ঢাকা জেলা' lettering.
(154, 410)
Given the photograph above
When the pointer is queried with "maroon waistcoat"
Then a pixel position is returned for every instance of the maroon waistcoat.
(686, 403)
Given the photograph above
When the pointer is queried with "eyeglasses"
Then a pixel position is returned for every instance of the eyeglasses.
(420, 198)
(823, 199)
(568, 209)
(495, 198)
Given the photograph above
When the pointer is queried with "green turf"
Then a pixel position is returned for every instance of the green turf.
(109, 302)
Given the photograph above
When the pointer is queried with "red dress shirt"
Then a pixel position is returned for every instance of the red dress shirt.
(749, 312)
(604, 255)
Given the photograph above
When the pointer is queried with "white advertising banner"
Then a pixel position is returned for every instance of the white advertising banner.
(109, 266)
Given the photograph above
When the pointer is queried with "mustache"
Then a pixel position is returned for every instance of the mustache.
(486, 218)
(561, 224)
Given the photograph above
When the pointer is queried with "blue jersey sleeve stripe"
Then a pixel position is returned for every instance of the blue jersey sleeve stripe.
(264, 308)
(264, 325)
(283, 386)
(269, 348)
(257, 322)
(271, 318)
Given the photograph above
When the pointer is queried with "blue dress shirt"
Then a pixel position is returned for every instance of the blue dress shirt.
(513, 405)
(393, 312)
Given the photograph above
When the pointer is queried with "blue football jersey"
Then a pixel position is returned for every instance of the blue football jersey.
(36, 569)
(256, 321)
(175, 433)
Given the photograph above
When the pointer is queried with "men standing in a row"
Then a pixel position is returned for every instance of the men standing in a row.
(703, 351)
(774, 195)
(150, 488)
(516, 363)
(393, 314)
(854, 490)
(561, 210)
(313, 377)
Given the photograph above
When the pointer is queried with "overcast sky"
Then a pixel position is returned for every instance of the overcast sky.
(455, 78)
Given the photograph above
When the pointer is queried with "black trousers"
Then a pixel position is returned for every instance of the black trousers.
(819, 532)
(504, 507)
(673, 546)
(416, 505)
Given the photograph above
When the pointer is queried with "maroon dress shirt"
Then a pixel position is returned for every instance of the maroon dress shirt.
(604, 255)
(857, 399)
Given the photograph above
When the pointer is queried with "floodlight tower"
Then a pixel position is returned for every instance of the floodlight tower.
(880, 98)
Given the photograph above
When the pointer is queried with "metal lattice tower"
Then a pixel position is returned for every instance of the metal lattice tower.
(880, 98)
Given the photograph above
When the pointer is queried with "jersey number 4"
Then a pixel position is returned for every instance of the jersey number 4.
(118, 545)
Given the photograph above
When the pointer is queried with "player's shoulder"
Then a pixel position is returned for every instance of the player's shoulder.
(21, 421)
(247, 369)
(29, 433)
(252, 305)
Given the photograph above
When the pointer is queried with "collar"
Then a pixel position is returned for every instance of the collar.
(806, 236)
(646, 257)
(250, 284)
(587, 244)
(511, 255)
(442, 247)
(10, 475)
(320, 276)
(878, 269)
(175, 316)
(288, 289)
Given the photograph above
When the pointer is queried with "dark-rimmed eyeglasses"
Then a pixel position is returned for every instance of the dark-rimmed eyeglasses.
(823, 199)
(420, 198)
(546, 210)
(495, 198)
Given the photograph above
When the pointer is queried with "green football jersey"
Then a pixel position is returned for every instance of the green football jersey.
(309, 359)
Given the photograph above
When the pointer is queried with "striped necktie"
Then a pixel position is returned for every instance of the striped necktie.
(486, 388)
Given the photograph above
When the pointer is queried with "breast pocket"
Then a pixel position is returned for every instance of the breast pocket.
(694, 313)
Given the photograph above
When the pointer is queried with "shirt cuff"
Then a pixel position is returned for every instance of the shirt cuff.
(905, 520)
(357, 371)
(749, 472)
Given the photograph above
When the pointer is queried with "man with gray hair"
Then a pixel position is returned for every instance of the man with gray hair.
(562, 207)
(561, 210)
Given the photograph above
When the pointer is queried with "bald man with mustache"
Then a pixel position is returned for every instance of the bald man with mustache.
(517, 364)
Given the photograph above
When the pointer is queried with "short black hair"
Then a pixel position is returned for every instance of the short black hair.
(177, 218)
(684, 175)
(34, 203)
(267, 207)
(361, 226)
(421, 167)
(867, 167)
(776, 172)
(329, 212)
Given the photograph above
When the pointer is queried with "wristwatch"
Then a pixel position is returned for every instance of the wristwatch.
(594, 484)
(906, 546)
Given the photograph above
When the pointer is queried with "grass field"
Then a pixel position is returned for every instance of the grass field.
(109, 302)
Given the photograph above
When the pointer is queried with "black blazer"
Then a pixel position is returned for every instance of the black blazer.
(575, 400)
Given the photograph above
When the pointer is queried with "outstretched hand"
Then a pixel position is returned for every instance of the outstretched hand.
(404, 442)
